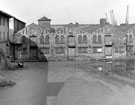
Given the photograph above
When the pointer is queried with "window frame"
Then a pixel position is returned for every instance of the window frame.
(85, 39)
(57, 39)
(99, 39)
(94, 38)
(47, 39)
(42, 39)
(80, 39)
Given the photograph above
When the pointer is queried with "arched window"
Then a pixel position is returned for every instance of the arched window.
(130, 38)
(56, 39)
(62, 39)
(47, 39)
(85, 39)
(127, 37)
(80, 39)
(99, 39)
(94, 39)
(42, 39)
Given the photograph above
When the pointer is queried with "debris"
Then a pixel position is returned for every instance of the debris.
(4, 82)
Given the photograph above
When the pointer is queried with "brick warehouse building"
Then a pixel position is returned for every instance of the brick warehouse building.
(75, 41)
(5, 42)
(4, 35)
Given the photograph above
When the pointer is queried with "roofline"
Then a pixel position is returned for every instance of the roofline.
(19, 20)
(10, 16)
(47, 19)
(6, 14)
(58, 24)
(43, 20)
(98, 26)
(127, 28)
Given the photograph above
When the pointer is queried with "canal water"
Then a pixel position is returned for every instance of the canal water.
(39, 83)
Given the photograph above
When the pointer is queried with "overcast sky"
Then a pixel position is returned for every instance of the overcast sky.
(66, 11)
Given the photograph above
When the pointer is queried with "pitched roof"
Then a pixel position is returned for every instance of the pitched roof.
(58, 26)
(117, 33)
(124, 28)
(6, 14)
(91, 28)
(84, 25)
(44, 19)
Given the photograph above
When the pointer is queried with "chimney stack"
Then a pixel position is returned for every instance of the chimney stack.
(103, 21)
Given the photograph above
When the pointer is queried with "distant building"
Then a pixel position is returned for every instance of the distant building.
(75, 41)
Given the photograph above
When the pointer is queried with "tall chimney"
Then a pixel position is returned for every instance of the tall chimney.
(103, 21)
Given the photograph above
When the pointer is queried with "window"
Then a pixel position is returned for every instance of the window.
(42, 39)
(7, 35)
(99, 39)
(0, 20)
(4, 36)
(26, 30)
(62, 31)
(94, 39)
(130, 38)
(85, 39)
(45, 50)
(56, 39)
(7, 21)
(62, 39)
(23, 32)
(127, 39)
(47, 39)
(60, 50)
(82, 49)
(3, 21)
(79, 39)
(0, 35)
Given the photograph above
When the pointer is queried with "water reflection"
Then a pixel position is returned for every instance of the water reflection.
(121, 68)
